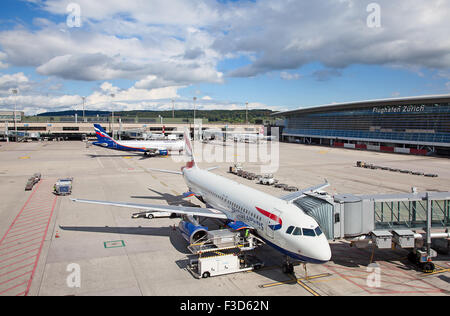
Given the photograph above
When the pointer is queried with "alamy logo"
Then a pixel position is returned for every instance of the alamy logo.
(374, 18)
(374, 278)
(74, 17)
(74, 278)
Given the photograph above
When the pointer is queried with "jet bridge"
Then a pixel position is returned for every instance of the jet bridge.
(385, 221)
(348, 215)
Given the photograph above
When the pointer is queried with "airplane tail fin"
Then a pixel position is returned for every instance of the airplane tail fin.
(189, 150)
(101, 133)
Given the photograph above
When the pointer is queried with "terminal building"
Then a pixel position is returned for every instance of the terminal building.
(414, 125)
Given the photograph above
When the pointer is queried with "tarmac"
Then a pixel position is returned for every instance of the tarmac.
(52, 246)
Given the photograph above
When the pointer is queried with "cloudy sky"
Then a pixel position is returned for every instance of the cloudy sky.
(279, 55)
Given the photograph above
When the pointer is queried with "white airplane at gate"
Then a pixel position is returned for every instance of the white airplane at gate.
(277, 221)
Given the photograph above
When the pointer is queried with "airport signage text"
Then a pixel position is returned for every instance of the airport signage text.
(399, 109)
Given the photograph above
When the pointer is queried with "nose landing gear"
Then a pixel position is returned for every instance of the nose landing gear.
(287, 266)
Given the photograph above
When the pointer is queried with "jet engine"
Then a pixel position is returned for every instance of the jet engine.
(191, 230)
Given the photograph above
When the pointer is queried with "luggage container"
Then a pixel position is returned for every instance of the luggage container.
(63, 187)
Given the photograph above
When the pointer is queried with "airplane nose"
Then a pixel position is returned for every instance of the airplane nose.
(322, 251)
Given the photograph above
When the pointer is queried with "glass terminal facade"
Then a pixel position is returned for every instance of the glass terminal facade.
(400, 123)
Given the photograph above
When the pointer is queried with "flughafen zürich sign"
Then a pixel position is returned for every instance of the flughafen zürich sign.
(399, 109)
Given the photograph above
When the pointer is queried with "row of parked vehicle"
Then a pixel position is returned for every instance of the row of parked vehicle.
(267, 179)
(61, 187)
(362, 164)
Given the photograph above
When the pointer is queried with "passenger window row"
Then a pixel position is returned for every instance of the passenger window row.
(297, 231)
(235, 205)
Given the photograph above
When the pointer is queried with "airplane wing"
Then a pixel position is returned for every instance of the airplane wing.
(293, 196)
(181, 210)
(165, 171)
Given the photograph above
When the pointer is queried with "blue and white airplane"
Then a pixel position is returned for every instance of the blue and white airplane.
(277, 221)
(148, 147)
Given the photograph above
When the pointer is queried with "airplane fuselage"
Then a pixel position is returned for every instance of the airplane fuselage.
(141, 146)
(271, 217)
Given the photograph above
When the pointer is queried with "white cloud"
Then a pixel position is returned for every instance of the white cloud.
(174, 12)
(164, 45)
(153, 40)
(3, 56)
(335, 34)
(124, 100)
(176, 57)
(10, 81)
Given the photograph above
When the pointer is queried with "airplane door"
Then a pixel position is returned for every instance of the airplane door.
(272, 223)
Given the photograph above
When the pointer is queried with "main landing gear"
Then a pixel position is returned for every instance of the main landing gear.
(149, 154)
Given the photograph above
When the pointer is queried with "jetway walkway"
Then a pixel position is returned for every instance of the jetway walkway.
(348, 215)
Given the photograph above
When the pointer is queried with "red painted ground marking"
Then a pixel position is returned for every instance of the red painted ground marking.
(15, 250)
(20, 261)
(21, 254)
(22, 244)
(7, 243)
(26, 228)
(31, 220)
(17, 269)
(27, 225)
(40, 250)
(40, 211)
(345, 278)
(433, 287)
(12, 288)
(35, 206)
(415, 289)
(31, 230)
(18, 215)
(19, 276)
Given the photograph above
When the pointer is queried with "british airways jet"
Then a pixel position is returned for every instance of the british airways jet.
(277, 221)
(149, 148)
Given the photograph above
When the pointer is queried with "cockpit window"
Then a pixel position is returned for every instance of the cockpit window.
(318, 231)
(289, 230)
(297, 231)
(309, 232)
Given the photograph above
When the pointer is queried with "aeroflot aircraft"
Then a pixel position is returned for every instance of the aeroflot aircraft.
(277, 221)
(149, 148)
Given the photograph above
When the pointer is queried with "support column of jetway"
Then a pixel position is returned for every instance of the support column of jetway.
(350, 216)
